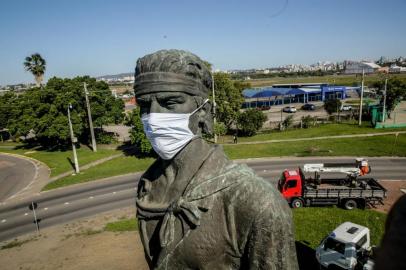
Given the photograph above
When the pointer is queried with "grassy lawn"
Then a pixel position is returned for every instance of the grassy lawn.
(58, 161)
(117, 166)
(348, 80)
(312, 224)
(123, 225)
(365, 146)
(322, 130)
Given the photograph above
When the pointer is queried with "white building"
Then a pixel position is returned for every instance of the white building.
(358, 67)
(396, 69)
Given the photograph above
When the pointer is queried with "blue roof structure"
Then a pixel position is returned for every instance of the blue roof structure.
(268, 92)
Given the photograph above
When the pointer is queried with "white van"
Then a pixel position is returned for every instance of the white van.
(344, 247)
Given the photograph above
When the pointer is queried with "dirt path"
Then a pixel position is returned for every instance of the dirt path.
(78, 245)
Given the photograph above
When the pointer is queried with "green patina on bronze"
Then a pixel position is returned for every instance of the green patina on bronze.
(199, 210)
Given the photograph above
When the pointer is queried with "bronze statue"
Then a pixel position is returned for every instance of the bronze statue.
(196, 209)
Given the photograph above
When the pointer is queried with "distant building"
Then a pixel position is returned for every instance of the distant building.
(396, 69)
(358, 67)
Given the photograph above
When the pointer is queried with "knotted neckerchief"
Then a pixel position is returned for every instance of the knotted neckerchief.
(190, 209)
(189, 204)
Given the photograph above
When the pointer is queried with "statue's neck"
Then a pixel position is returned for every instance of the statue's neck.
(177, 173)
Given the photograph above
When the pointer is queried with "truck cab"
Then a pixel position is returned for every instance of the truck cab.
(344, 247)
(291, 186)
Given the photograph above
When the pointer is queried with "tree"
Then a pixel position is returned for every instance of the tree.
(228, 98)
(288, 121)
(45, 112)
(307, 121)
(220, 129)
(137, 135)
(250, 121)
(36, 65)
(8, 108)
(396, 91)
(332, 105)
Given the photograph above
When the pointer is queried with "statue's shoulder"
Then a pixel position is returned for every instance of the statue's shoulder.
(253, 192)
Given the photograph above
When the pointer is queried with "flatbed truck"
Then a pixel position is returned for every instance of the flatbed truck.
(349, 192)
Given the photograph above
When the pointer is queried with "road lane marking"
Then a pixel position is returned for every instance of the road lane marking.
(66, 203)
(91, 197)
(3, 221)
(25, 214)
(46, 208)
(114, 192)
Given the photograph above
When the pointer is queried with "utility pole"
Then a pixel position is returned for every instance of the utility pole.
(74, 140)
(384, 101)
(89, 114)
(214, 108)
(362, 96)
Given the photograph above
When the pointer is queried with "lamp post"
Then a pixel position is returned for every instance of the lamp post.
(74, 140)
(362, 95)
(384, 101)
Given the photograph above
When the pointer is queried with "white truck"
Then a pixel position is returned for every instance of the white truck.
(347, 247)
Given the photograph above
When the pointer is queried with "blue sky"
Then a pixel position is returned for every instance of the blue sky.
(106, 37)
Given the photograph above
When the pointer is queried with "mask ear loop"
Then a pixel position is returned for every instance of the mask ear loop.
(201, 106)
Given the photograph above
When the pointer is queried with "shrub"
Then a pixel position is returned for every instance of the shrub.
(332, 105)
(250, 121)
(105, 137)
(220, 129)
(307, 121)
(288, 122)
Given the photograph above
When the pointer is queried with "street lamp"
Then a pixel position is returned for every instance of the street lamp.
(362, 96)
(384, 101)
(74, 140)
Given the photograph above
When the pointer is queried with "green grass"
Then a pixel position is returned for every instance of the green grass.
(9, 144)
(312, 224)
(17, 243)
(122, 225)
(364, 146)
(322, 130)
(117, 166)
(347, 80)
(58, 161)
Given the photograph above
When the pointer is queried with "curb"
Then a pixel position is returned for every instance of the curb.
(319, 138)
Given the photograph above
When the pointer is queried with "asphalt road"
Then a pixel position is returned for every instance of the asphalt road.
(64, 205)
(15, 174)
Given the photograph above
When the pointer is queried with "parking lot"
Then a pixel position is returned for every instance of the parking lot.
(275, 114)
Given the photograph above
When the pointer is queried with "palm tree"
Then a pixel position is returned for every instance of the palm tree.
(36, 65)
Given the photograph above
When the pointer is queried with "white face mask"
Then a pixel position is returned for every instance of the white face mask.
(168, 132)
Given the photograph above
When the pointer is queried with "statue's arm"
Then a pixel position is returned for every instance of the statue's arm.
(271, 241)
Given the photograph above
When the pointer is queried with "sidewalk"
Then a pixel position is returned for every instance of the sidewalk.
(321, 138)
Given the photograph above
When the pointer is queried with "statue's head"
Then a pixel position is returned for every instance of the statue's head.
(175, 82)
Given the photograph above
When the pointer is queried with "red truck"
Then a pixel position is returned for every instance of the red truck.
(349, 192)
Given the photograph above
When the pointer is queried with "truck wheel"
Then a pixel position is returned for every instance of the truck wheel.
(297, 203)
(350, 204)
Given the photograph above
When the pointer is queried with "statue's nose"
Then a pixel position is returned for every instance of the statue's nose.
(155, 107)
